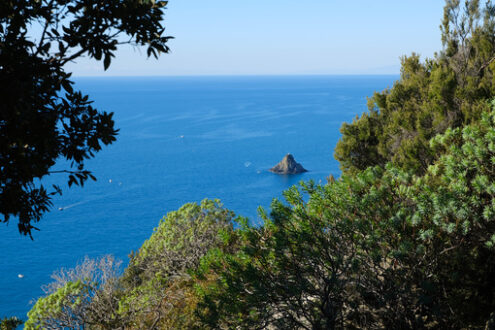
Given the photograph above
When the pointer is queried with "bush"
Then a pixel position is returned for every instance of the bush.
(10, 323)
(382, 248)
(160, 291)
(85, 295)
(451, 90)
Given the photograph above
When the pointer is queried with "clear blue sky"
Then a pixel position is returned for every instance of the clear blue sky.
(230, 37)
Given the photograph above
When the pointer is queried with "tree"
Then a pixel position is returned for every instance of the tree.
(42, 118)
(160, 287)
(157, 290)
(10, 323)
(317, 263)
(450, 90)
(86, 296)
(381, 248)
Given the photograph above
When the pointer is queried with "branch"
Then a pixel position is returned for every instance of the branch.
(65, 171)
(487, 64)
(72, 57)
(47, 24)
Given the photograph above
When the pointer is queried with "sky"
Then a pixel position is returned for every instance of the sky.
(284, 37)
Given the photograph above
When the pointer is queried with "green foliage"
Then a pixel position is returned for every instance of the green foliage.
(42, 118)
(317, 264)
(181, 239)
(160, 290)
(381, 248)
(60, 309)
(454, 214)
(451, 90)
(83, 297)
(10, 323)
(359, 142)
(404, 239)
(157, 289)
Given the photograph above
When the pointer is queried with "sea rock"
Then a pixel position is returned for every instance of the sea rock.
(288, 165)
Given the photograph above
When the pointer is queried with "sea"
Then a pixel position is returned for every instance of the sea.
(181, 139)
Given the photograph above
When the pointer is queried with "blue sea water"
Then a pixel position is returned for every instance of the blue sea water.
(181, 139)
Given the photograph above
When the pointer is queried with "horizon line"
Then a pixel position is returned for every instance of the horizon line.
(237, 75)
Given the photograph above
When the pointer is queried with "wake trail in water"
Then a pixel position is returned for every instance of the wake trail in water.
(72, 205)
(62, 208)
